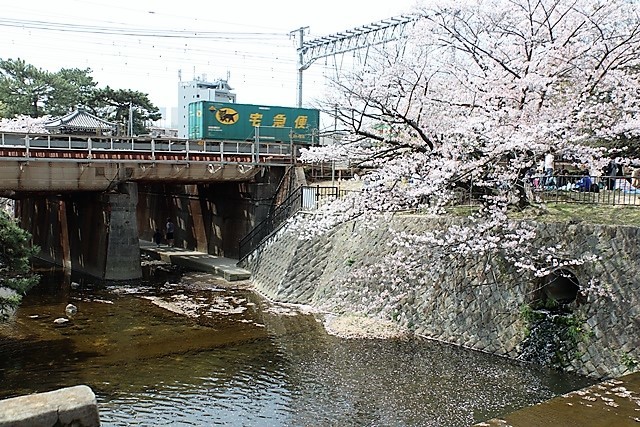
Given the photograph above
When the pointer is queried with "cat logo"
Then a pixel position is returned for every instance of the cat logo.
(226, 115)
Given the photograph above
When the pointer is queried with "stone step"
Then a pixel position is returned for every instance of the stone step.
(196, 261)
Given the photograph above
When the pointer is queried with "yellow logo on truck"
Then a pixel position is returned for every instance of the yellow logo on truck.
(227, 116)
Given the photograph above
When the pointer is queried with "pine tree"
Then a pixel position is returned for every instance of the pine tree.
(15, 271)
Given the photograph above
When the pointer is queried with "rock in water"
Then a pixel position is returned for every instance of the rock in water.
(71, 309)
(61, 321)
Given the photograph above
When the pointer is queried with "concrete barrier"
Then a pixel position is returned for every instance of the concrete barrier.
(73, 406)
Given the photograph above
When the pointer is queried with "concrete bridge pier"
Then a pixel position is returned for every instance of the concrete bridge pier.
(122, 252)
(88, 232)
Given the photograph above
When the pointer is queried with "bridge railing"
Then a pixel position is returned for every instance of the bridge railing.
(154, 149)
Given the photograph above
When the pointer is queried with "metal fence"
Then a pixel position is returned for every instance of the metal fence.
(314, 197)
(619, 190)
(306, 197)
(601, 190)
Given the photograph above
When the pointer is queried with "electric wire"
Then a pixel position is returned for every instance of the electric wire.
(137, 32)
(133, 50)
(190, 20)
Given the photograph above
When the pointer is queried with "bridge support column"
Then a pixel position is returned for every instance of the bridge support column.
(122, 257)
(91, 233)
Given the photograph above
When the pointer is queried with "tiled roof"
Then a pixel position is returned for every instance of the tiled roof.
(79, 119)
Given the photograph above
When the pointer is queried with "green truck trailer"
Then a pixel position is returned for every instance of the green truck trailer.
(247, 122)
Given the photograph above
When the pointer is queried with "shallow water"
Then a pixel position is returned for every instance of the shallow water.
(233, 359)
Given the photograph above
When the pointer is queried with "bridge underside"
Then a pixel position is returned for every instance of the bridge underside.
(212, 217)
(91, 233)
(97, 232)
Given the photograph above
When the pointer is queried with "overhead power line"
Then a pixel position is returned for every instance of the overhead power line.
(361, 37)
(357, 38)
(138, 32)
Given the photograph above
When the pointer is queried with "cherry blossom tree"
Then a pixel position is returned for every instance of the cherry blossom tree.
(471, 100)
(25, 124)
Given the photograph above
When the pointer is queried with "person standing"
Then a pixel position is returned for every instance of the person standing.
(170, 229)
(548, 180)
(611, 171)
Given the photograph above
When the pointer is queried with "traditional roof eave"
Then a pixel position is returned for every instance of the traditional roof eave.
(79, 119)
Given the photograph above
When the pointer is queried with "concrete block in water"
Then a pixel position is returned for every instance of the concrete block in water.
(72, 406)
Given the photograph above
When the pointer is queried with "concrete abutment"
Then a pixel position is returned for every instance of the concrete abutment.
(67, 407)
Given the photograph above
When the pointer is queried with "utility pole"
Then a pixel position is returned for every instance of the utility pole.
(301, 66)
(130, 119)
(335, 142)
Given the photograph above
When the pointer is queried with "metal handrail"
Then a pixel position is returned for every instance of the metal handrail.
(268, 226)
(303, 197)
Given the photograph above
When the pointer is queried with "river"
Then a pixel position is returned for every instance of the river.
(191, 350)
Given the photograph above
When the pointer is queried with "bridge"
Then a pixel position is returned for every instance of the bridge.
(45, 162)
(87, 200)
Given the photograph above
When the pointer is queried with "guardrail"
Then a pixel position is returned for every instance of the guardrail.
(38, 146)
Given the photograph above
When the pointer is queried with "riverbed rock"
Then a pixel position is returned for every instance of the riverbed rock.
(362, 327)
(70, 309)
(61, 321)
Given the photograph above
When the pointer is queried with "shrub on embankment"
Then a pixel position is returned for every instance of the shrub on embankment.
(15, 271)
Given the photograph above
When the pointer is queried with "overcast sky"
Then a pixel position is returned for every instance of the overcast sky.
(251, 41)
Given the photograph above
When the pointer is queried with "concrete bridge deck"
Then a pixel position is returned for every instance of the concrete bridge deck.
(197, 261)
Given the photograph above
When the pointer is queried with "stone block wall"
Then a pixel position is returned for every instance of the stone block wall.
(461, 301)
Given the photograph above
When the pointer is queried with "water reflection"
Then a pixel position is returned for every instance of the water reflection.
(233, 359)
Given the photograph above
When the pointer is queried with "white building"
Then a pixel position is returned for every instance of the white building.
(199, 90)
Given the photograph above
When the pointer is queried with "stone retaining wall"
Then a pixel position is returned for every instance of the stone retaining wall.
(461, 301)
